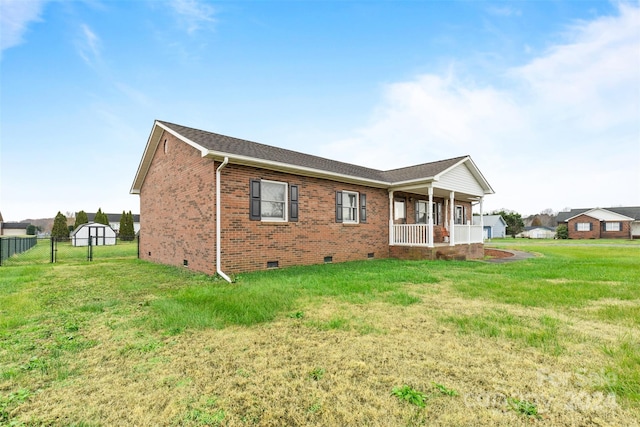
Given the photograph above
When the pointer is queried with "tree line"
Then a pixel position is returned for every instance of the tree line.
(61, 230)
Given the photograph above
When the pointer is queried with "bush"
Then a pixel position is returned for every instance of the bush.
(562, 232)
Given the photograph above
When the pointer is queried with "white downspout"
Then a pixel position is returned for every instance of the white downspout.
(218, 220)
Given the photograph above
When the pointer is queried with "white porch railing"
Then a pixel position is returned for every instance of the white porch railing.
(467, 234)
(418, 235)
(410, 235)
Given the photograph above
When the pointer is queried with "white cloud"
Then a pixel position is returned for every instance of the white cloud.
(562, 130)
(193, 14)
(88, 46)
(504, 11)
(15, 17)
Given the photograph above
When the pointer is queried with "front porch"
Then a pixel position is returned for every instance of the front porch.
(441, 251)
(428, 235)
(423, 241)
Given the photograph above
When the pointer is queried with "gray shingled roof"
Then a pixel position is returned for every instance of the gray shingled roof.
(226, 144)
(630, 211)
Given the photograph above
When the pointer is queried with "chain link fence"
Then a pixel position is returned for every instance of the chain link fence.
(12, 246)
(55, 250)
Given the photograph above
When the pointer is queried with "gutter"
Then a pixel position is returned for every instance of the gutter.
(218, 220)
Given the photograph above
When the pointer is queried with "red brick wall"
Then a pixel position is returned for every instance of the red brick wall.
(249, 245)
(597, 229)
(593, 234)
(624, 233)
(458, 252)
(177, 208)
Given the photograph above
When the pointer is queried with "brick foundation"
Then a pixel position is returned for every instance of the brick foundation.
(458, 252)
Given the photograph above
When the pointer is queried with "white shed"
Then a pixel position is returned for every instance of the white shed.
(97, 234)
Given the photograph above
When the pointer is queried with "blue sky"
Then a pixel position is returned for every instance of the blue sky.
(544, 95)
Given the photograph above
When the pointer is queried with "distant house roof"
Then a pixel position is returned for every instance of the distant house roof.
(112, 217)
(489, 220)
(249, 153)
(537, 227)
(632, 212)
(15, 225)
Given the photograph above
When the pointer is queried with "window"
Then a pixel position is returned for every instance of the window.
(351, 207)
(437, 213)
(612, 226)
(583, 226)
(273, 201)
(399, 210)
(421, 212)
(459, 215)
(269, 201)
(422, 215)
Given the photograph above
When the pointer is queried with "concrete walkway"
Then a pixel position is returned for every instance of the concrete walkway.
(517, 256)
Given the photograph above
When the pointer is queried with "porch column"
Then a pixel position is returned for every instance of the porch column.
(452, 213)
(481, 219)
(430, 215)
(391, 236)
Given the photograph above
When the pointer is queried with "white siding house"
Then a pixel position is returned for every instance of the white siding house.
(495, 226)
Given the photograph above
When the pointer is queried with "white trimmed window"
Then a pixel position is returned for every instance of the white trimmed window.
(437, 213)
(421, 212)
(273, 201)
(399, 210)
(460, 214)
(583, 226)
(612, 226)
(349, 206)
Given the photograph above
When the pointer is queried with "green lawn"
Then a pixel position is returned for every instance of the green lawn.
(121, 341)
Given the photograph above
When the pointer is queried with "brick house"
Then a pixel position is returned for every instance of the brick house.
(214, 203)
(601, 223)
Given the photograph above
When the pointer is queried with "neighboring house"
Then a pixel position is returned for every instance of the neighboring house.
(94, 234)
(537, 232)
(114, 220)
(13, 228)
(495, 226)
(602, 223)
(214, 203)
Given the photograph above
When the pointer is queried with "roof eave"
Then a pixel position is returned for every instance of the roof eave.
(152, 145)
(486, 187)
(295, 169)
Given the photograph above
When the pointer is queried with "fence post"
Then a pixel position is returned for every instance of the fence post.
(1, 245)
(52, 250)
(90, 247)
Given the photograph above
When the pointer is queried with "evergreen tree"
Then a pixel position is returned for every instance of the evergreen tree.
(81, 218)
(123, 225)
(127, 231)
(101, 218)
(60, 229)
(31, 230)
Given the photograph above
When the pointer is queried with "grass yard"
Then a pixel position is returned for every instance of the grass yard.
(552, 340)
